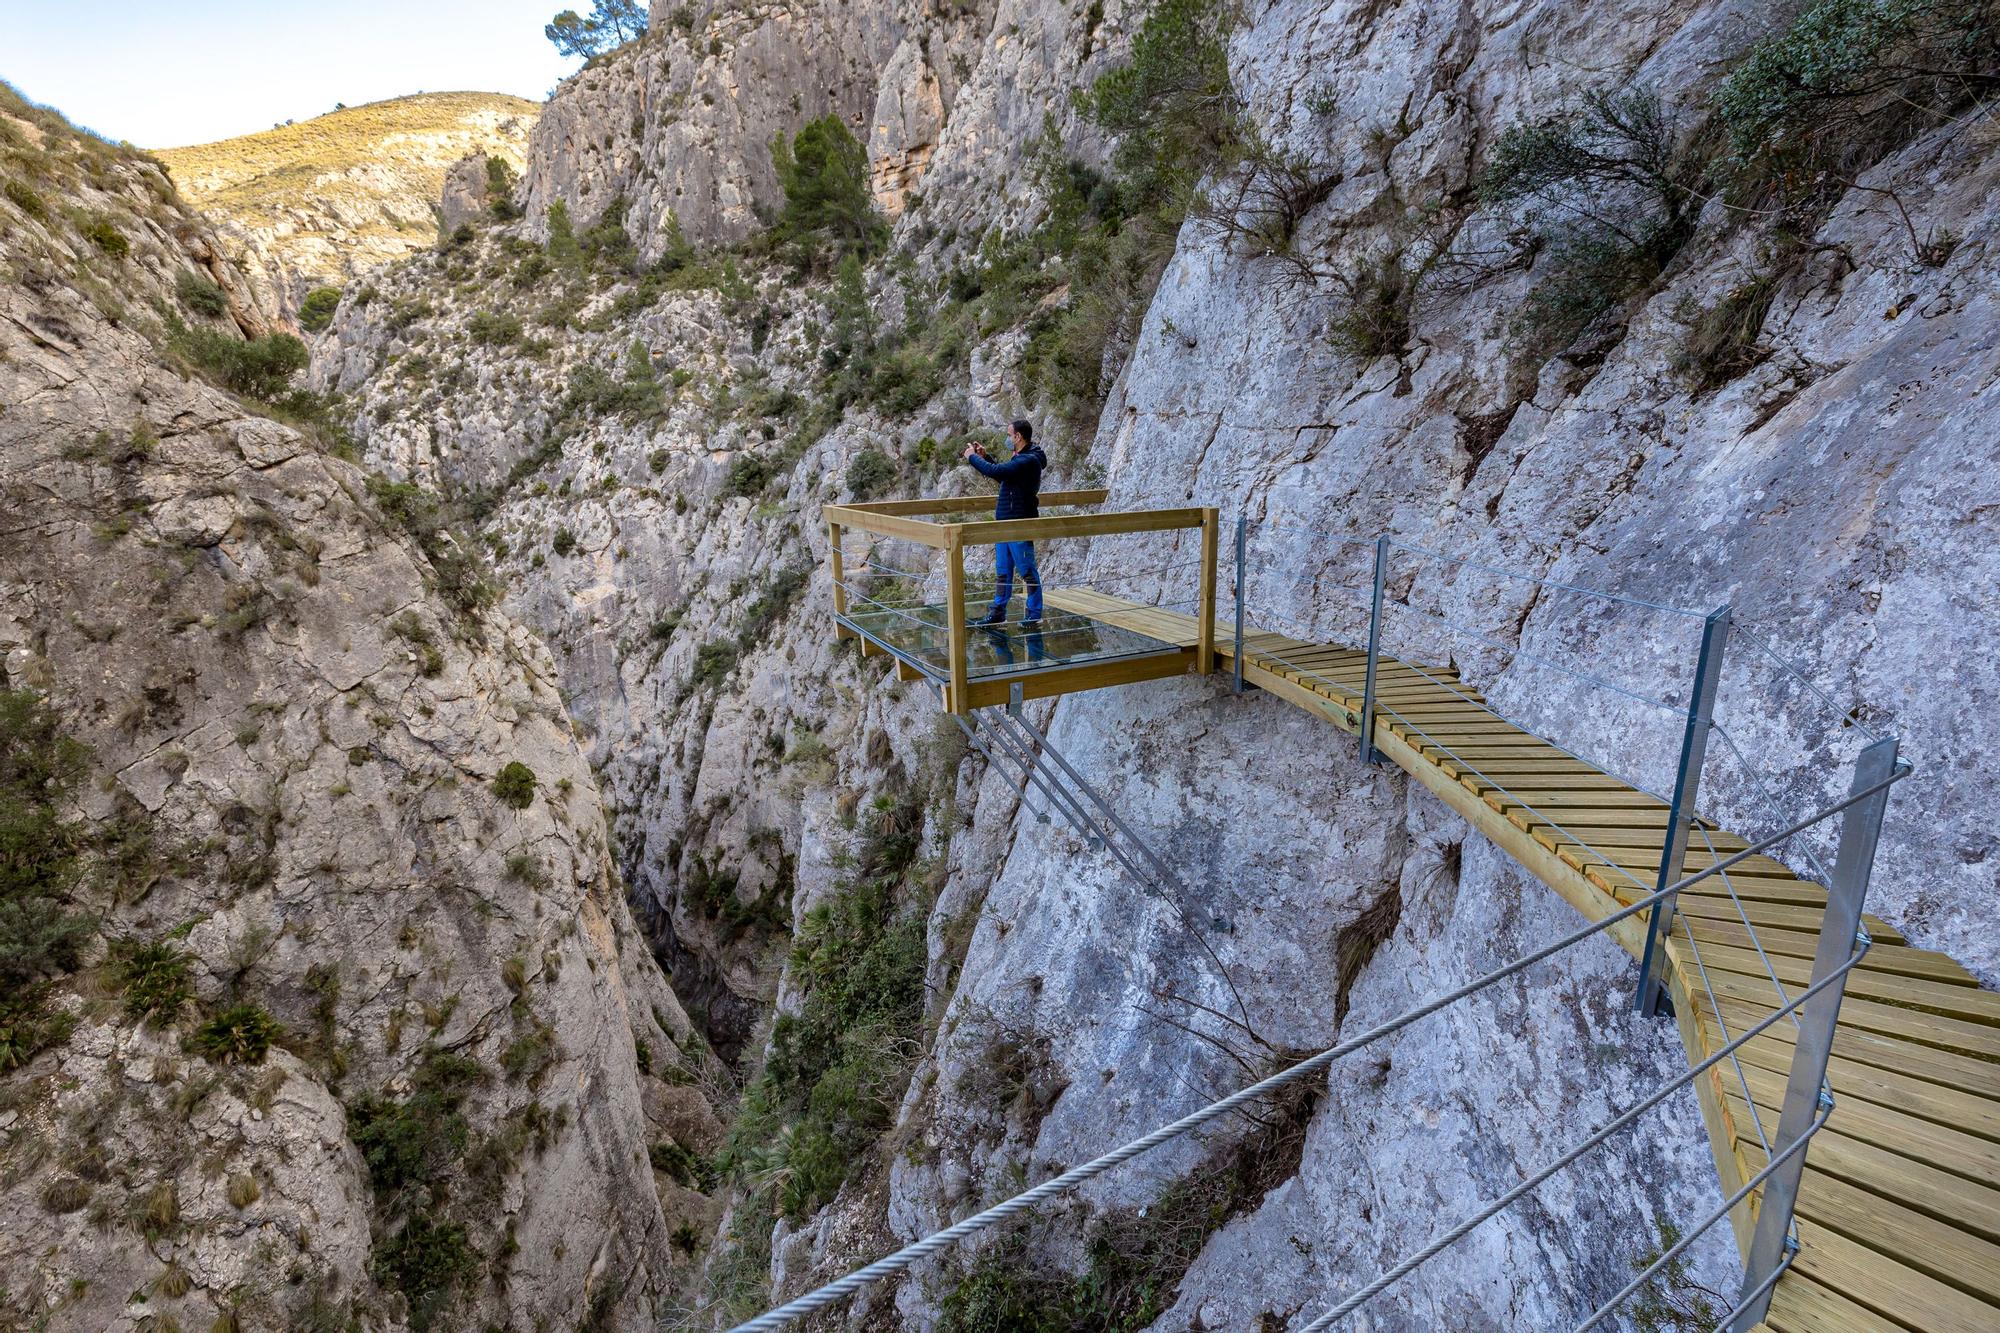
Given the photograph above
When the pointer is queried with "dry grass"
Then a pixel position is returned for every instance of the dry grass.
(406, 143)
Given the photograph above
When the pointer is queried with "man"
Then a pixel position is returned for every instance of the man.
(1020, 479)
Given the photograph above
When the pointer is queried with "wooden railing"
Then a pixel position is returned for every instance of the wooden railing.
(904, 520)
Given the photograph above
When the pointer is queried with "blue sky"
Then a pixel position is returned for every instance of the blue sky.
(164, 73)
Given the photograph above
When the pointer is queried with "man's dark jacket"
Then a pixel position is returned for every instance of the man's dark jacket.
(1020, 479)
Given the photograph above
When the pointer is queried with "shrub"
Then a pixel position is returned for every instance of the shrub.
(515, 785)
(562, 247)
(316, 311)
(1799, 95)
(563, 542)
(240, 1035)
(24, 198)
(409, 1144)
(1171, 106)
(495, 330)
(200, 294)
(459, 575)
(1722, 342)
(1610, 190)
(870, 471)
(41, 865)
(825, 175)
(259, 368)
(101, 232)
(748, 475)
(156, 980)
(428, 1261)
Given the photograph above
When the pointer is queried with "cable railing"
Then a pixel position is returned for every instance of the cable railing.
(1860, 815)
(1649, 896)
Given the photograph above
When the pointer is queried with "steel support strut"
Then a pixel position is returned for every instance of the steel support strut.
(1369, 755)
(1687, 785)
(1242, 540)
(1840, 934)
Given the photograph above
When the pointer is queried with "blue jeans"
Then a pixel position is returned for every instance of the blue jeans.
(1008, 557)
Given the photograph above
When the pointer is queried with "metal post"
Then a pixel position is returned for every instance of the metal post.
(1368, 752)
(1242, 538)
(1840, 934)
(1687, 783)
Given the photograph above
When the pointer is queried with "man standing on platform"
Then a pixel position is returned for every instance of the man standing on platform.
(1020, 479)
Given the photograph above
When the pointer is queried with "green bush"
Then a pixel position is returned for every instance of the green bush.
(200, 294)
(411, 1143)
(316, 311)
(429, 1260)
(42, 936)
(240, 1035)
(637, 394)
(156, 979)
(515, 785)
(869, 473)
(260, 368)
(825, 175)
(748, 475)
(563, 542)
(460, 577)
(101, 232)
(23, 197)
(494, 330)
(1611, 189)
(562, 247)
(1799, 96)
(1170, 106)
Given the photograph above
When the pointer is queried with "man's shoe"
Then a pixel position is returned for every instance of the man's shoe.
(990, 619)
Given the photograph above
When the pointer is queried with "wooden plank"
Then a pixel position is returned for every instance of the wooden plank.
(1915, 993)
(915, 530)
(1117, 521)
(1891, 1289)
(1851, 1078)
(1962, 1154)
(964, 504)
(1950, 1034)
(1801, 1305)
(990, 692)
(1897, 958)
(1907, 1059)
(954, 573)
(1937, 1249)
(1966, 1205)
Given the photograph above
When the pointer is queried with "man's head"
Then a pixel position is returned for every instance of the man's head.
(1022, 433)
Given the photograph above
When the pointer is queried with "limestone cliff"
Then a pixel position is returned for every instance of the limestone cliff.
(317, 203)
(1359, 322)
(345, 1017)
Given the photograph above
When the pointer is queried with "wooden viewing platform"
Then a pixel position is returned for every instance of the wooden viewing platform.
(1898, 1210)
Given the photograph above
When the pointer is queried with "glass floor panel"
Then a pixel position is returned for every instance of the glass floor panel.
(919, 634)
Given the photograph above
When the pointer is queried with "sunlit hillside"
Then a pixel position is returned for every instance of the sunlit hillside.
(323, 199)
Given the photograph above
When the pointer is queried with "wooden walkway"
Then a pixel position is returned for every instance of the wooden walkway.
(1899, 1207)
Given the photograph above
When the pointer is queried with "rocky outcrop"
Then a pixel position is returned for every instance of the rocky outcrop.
(410, 1064)
(318, 203)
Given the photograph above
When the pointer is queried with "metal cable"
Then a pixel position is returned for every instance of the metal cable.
(1501, 786)
(1743, 915)
(1760, 792)
(1458, 1232)
(1468, 563)
(1551, 664)
(1742, 1079)
(1846, 715)
(1756, 1293)
(910, 1254)
(1797, 1145)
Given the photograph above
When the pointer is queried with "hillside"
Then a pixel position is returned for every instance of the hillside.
(317, 202)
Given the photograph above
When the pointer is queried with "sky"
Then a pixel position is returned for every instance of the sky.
(167, 73)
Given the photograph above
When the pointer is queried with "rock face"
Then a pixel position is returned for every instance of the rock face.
(645, 452)
(344, 793)
(318, 203)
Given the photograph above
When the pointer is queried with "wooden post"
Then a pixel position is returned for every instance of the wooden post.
(954, 596)
(1204, 660)
(833, 536)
